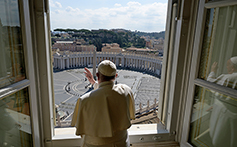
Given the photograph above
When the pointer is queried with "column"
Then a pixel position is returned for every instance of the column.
(63, 65)
(54, 63)
(84, 61)
(94, 63)
(76, 61)
(73, 62)
(87, 61)
(145, 64)
(129, 62)
(67, 62)
(117, 61)
(140, 64)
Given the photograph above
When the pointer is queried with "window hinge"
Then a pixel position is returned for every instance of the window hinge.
(173, 133)
(47, 140)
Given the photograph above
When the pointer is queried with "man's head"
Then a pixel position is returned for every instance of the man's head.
(106, 71)
(232, 65)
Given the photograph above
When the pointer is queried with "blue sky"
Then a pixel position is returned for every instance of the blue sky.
(141, 15)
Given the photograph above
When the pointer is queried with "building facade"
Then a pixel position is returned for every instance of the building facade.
(114, 47)
(78, 45)
(65, 60)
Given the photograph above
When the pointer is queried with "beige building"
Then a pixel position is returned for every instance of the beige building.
(140, 50)
(114, 47)
(74, 46)
(85, 48)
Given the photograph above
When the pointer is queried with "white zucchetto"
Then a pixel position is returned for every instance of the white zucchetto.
(107, 68)
(233, 60)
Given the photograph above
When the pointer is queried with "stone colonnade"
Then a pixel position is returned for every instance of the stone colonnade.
(122, 60)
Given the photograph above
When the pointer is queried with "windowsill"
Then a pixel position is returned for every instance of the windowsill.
(65, 133)
(138, 129)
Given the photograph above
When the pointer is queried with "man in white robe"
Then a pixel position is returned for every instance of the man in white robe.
(103, 115)
(223, 120)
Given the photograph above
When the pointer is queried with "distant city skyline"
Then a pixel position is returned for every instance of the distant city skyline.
(140, 15)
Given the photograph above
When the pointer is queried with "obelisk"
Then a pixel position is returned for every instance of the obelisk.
(94, 63)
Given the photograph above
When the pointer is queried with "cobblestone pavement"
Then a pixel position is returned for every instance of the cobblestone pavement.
(70, 84)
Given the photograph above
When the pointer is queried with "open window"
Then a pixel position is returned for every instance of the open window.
(140, 71)
(197, 34)
(19, 121)
(210, 115)
(174, 76)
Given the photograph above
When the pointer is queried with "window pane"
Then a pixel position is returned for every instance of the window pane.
(15, 124)
(219, 52)
(214, 119)
(12, 67)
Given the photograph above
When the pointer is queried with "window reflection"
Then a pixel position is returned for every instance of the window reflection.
(15, 124)
(12, 67)
(214, 119)
(214, 115)
(230, 78)
(219, 52)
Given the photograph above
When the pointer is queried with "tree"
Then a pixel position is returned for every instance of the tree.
(98, 44)
(57, 35)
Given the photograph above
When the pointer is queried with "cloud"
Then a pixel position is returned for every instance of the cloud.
(69, 9)
(117, 5)
(131, 4)
(134, 16)
(58, 5)
(54, 4)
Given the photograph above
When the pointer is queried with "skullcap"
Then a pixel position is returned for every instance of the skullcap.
(234, 60)
(107, 68)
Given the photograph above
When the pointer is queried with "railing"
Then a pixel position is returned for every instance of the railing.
(142, 115)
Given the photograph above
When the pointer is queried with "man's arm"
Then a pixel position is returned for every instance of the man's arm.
(91, 78)
(212, 76)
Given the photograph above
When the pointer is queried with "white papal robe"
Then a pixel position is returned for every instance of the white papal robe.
(103, 115)
(223, 121)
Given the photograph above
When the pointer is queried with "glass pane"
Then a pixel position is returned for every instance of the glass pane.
(12, 67)
(219, 52)
(15, 124)
(214, 119)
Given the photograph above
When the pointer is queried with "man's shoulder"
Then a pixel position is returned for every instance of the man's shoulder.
(90, 94)
(123, 85)
(86, 96)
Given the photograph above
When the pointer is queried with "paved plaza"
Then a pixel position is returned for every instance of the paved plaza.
(70, 84)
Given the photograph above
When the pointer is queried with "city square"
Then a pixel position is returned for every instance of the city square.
(70, 84)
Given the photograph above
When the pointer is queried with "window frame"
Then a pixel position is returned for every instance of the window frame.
(169, 110)
(146, 136)
(39, 20)
(30, 81)
(194, 80)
